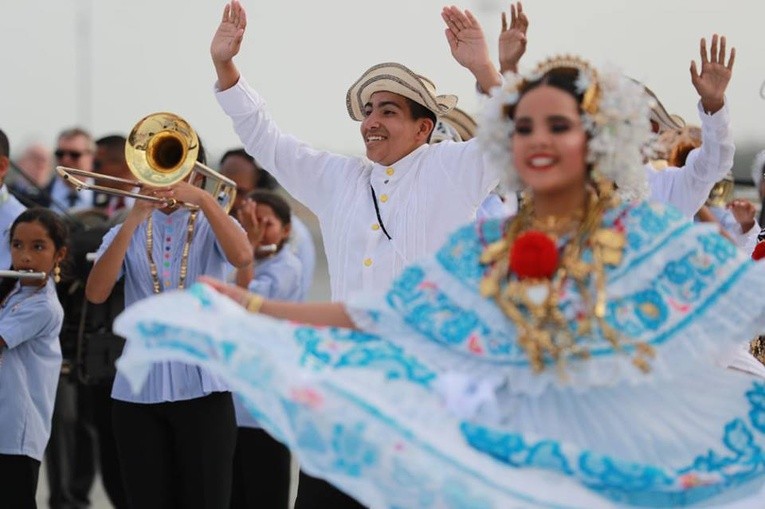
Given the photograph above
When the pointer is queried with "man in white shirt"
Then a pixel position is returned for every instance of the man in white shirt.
(376, 213)
(686, 188)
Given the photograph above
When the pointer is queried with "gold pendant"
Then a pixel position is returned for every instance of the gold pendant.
(489, 287)
(612, 245)
(492, 251)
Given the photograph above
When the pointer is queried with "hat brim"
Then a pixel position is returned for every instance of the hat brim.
(397, 79)
(661, 116)
(462, 123)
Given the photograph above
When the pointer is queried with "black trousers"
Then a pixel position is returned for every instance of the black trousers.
(261, 471)
(70, 457)
(177, 454)
(314, 493)
(18, 481)
(111, 477)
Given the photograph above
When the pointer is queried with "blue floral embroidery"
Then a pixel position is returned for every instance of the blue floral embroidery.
(512, 448)
(684, 283)
(679, 272)
(742, 461)
(637, 313)
(353, 452)
(195, 344)
(344, 348)
(719, 247)
(756, 398)
(308, 435)
(650, 222)
(460, 255)
(428, 310)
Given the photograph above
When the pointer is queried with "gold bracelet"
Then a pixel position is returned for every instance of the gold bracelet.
(254, 302)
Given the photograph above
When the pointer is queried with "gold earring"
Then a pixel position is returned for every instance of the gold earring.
(56, 274)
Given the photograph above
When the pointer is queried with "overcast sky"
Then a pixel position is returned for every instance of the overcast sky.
(104, 64)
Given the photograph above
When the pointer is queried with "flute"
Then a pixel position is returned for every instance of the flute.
(267, 249)
(23, 274)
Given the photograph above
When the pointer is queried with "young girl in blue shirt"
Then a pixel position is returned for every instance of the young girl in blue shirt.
(30, 353)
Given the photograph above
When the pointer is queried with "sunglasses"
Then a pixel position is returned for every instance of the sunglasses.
(72, 154)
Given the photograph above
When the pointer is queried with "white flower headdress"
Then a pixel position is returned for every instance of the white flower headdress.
(615, 114)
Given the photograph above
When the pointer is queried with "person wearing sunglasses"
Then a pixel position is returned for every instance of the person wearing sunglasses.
(74, 149)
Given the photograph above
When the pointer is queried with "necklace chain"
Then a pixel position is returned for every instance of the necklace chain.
(184, 255)
(533, 305)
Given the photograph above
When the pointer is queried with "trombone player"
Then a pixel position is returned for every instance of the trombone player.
(176, 437)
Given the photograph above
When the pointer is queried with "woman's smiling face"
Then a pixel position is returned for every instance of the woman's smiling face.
(549, 142)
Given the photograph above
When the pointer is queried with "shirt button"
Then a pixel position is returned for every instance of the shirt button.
(390, 172)
(375, 227)
(368, 262)
(384, 198)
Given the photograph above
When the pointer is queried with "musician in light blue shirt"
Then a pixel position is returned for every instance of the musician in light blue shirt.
(242, 168)
(175, 437)
(30, 353)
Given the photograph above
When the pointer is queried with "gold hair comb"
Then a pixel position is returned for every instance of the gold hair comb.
(591, 97)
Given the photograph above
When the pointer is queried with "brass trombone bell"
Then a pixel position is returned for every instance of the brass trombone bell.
(160, 151)
(722, 192)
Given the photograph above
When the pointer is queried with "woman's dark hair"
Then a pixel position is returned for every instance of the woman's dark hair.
(562, 78)
(54, 226)
(264, 179)
(278, 204)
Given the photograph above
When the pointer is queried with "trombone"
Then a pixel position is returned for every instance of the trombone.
(22, 274)
(160, 151)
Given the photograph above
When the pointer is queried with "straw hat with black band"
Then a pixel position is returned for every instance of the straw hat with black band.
(397, 79)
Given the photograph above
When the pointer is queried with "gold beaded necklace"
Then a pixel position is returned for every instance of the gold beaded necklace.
(184, 255)
(543, 329)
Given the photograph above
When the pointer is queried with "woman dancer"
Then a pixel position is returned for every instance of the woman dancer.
(530, 358)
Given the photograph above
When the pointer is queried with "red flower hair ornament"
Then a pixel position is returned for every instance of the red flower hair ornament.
(534, 255)
(759, 251)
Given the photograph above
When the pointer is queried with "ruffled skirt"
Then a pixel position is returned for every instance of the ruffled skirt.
(393, 431)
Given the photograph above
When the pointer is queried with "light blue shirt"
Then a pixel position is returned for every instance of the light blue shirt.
(10, 208)
(30, 322)
(302, 245)
(278, 277)
(59, 193)
(168, 381)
